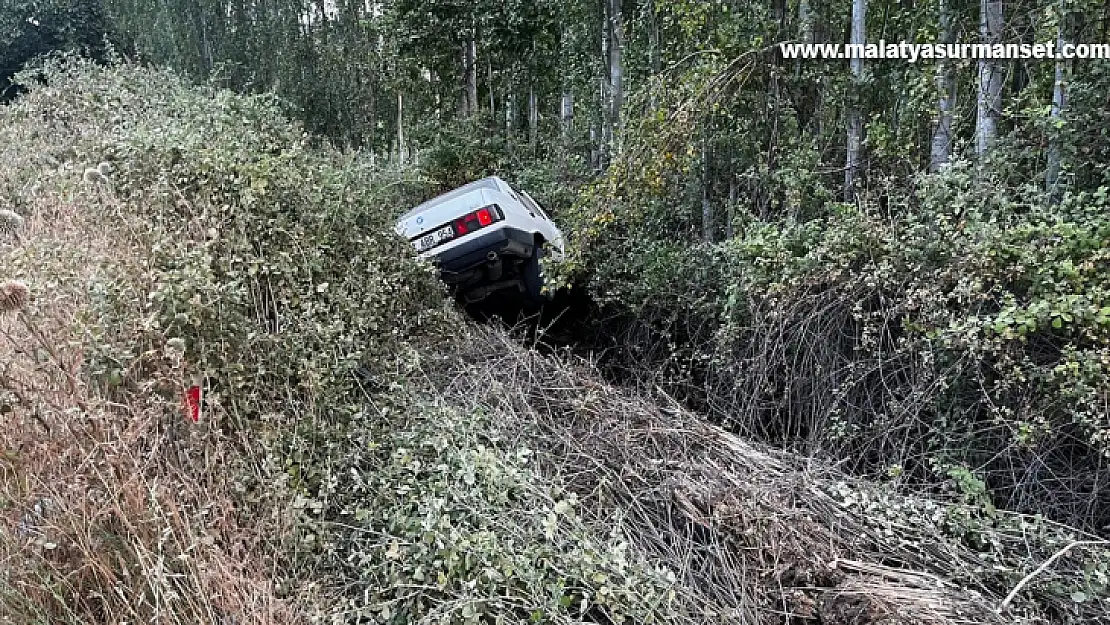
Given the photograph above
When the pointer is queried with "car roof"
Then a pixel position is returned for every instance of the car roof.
(491, 182)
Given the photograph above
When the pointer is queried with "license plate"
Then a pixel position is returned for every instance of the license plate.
(434, 238)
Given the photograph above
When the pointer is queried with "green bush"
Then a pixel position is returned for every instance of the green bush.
(433, 517)
(961, 321)
(313, 324)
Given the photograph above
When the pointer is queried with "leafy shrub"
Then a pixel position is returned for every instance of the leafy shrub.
(433, 516)
(949, 323)
(271, 271)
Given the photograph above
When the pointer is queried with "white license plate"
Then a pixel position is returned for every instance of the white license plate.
(434, 238)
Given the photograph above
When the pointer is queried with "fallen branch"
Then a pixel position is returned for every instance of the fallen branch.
(1047, 563)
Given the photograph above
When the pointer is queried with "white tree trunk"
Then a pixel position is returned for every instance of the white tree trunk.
(941, 147)
(566, 112)
(732, 197)
(805, 21)
(489, 85)
(400, 127)
(1059, 104)
(990, 77)
(566, 102)
(616, 66)
(471, 57)
(533, 115)
(464, 101)
(855, 117)
(604, 84)
(655, 54)
(707, 218)
(655, 58)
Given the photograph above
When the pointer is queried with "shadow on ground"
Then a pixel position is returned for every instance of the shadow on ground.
(569, 322)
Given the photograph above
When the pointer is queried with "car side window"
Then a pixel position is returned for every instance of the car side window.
(531, 204)
(537, 205)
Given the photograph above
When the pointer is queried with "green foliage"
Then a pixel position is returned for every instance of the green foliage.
(236, 272)
(461, 152)
(275, 268)
(974, 325)
(427, 498)
(29, 29)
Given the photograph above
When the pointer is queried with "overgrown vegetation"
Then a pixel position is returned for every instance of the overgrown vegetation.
(894, 269)
(365, 454)
(322, 466)
(943, 324)
(895, 266)
(32, 28)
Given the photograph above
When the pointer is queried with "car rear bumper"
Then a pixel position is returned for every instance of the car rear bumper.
(474, 252)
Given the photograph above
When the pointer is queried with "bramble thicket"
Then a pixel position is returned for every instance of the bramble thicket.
(840, 337)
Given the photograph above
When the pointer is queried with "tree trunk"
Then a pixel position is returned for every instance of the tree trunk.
(566, 128)
(990, 77)
(400, 127)
(855, 117)
(464, 100)
(1059, 105)
(805, 21)
(595, 156)
(732, 197)
(566, 113)
(471, 61)
(323, 22)
(566, 102)
(655, 57)
(489, 85)
(810, 104)
(941, 149)
(707, 217)
(533, 115)
(616, 68)
(206, 45)
(604, 83)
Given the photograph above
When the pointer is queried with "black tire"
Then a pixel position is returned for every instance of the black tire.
(532, 277)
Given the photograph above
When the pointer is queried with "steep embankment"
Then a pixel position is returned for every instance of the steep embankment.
(366, 454)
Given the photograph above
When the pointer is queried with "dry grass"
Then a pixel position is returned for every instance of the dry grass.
(112, 508)
(757, 535)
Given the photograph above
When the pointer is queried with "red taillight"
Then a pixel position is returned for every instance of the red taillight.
(478, 219)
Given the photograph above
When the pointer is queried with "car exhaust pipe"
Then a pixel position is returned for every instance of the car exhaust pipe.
(494, 267)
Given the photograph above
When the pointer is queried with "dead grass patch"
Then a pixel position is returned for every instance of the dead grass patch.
(113, 509)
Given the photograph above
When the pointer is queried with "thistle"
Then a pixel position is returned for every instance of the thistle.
(175, 349)
(93, 176)
(14, 295)
(10, 221)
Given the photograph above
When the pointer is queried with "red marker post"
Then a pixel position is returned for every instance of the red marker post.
(194, 395)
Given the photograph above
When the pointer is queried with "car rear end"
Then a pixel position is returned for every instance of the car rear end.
(464, 232)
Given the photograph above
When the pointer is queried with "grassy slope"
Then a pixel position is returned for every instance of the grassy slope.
(355, 464)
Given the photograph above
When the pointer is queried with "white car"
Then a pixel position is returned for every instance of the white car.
(485, 236)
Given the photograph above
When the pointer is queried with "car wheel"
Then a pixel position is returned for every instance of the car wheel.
(532, 276)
